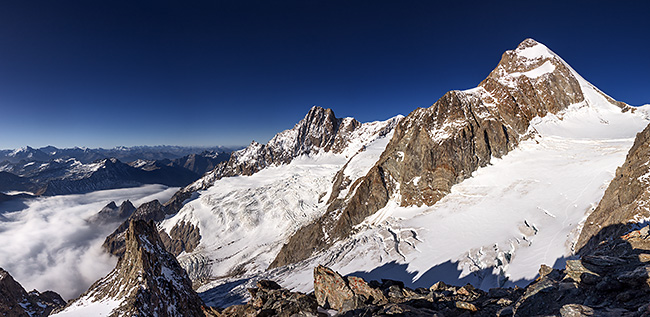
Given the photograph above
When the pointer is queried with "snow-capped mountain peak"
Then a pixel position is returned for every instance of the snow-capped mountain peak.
(531, 91)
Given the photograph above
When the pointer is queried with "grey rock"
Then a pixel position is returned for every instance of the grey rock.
(576, 310)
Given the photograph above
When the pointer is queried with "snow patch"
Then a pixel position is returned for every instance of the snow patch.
(538, 51)
(85, 307)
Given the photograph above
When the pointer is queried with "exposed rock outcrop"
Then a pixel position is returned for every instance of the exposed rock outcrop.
(432, 149)
(626, 200)
(614, 280)
(147, 280)
(344, 293)
(184, 236)
(15, 301)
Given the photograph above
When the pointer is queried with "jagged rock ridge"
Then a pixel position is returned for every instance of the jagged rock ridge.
(146, 281)
(15, 301)
(434, 148)
(319, 131)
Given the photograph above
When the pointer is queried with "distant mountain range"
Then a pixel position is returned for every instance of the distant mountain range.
(52, 171)
(122, 153)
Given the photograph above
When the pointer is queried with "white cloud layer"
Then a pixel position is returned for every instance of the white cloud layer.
(49, 245)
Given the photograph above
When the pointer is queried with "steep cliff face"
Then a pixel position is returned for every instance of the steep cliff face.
(435, 148)
(626, 203)
(147, 281)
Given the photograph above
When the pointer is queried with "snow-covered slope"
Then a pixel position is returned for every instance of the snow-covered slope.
(513, 214)
(244, 220)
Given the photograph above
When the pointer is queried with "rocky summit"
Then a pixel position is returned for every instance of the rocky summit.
(147, 281)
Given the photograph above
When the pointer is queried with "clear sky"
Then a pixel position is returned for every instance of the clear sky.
(108, 73)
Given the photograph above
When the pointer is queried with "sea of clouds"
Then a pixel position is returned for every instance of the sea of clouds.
(48, 244)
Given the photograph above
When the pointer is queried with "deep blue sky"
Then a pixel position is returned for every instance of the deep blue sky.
(107, 73)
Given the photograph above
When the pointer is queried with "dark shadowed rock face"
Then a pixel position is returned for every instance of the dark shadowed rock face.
(15, 301)
(10, 182)
(613, 279)
(626, 199)
(435, 148)
(147, 280)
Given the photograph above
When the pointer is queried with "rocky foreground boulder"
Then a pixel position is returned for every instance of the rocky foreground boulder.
(270, 299)
(15, 301)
